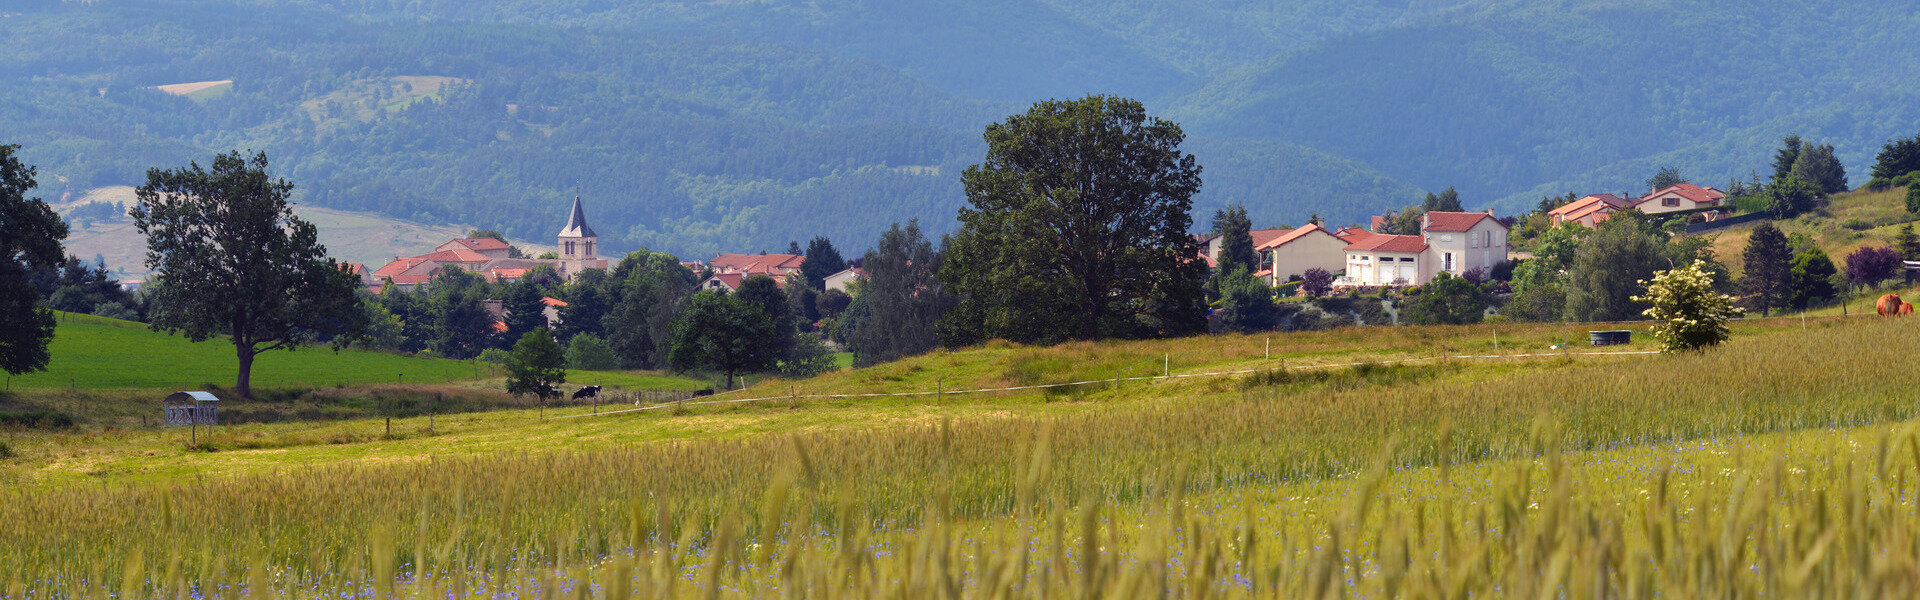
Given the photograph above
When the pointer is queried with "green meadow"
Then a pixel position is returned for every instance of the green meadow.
(1364, 462)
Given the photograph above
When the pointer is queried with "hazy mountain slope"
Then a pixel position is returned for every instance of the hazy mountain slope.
(1499, 99)
(1011, 50)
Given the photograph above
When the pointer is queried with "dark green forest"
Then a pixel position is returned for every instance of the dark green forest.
(697, 128)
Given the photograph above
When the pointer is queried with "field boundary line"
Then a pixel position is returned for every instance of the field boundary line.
(1105, 380)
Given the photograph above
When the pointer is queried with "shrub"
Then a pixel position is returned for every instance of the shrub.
(587, 352)
(1913, 199)
(493, 355)
(5, 452)
(1691, 315)
(36, 419)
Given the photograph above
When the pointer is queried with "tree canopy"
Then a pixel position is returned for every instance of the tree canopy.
(232, 259)
(903, 297)
(1076, 228)
(822, 260)
(1692, 315)
(536, 365)
(30, 235)
(722, 333)
(1768, 267)
(1236, 239)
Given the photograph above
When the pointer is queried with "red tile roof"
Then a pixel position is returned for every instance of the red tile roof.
(764, 264)
(1262, 236)
(731, 280)
(1353, 234)
(398, 266)
(1588, 202)
(485, 243)
(456, 255)
(499, 326)
(1699, 195)
(1290, 236)
(1381, 242)
(554, 302)
(1454, 221)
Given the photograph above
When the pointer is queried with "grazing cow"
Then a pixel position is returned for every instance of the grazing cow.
(1906, 308)
(705, 392)
(1888, 306)
(546, 391)
(592, 391)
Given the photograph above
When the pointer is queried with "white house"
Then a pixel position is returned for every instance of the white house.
(1463, 242)
(1452, 242)
(1678, 197)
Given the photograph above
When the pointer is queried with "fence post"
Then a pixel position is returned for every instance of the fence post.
(1166, 364)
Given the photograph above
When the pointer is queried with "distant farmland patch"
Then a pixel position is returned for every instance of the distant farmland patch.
(362, 100)
(199, 90)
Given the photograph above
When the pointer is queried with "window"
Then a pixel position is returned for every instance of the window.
(1406, 259)
(1446, 258)
(1669, 201)
(569, 249)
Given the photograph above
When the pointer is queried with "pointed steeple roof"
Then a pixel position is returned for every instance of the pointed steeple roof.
(577, 223)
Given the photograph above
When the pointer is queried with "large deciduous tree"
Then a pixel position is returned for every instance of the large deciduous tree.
(1769, 269)
(640, 324)
(1606, 270)
(904, 299)
(1666, 177)
(536, 365)
(232, 259)
(722, 333)
(1076, 228)
(30, 234)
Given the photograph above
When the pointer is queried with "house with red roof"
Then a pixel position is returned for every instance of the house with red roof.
(1293, 251)
(486, 246)
(1679, 197)
(777, 266)
(1451, 242)
(1590, 210)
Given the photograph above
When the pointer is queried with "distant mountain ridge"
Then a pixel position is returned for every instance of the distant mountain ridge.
(703, 127)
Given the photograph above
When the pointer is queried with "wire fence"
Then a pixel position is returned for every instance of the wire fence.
(1115, 379)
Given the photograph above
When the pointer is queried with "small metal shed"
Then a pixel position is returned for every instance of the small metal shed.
(1610, 338)
(192, 408)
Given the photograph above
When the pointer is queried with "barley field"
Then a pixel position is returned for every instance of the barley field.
(1781, 465)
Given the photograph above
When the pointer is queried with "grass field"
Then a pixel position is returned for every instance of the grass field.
(93, 352)
(1778, 465)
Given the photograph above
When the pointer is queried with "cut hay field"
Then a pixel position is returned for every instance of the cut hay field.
(1781, 464)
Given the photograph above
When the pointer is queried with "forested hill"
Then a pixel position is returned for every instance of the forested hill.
(699, 127)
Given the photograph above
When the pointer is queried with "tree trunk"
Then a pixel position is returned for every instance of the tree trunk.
(729, 380)
(243, 385)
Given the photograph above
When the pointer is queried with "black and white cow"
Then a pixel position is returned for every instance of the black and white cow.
(592, 391)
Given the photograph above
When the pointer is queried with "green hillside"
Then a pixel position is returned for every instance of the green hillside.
(702, 127)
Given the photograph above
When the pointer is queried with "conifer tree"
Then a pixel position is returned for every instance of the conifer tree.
(1769, 270)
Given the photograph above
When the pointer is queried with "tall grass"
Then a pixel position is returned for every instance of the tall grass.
(1209, 491)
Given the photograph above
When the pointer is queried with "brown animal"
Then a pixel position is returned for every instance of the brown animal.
(1906, 308)
(1889, 305)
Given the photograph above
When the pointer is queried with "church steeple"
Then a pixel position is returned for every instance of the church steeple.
(577, 223)
(577, 239)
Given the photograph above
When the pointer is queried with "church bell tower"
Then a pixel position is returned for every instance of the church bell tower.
(577, 240)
